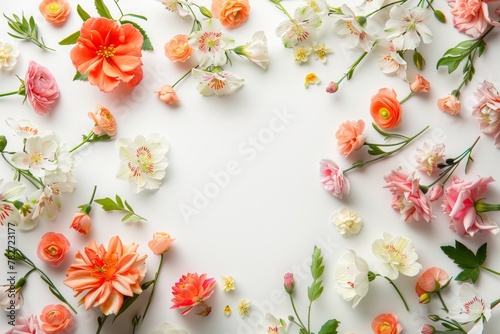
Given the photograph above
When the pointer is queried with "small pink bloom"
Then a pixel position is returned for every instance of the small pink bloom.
(420, 84)
(333, 178)
(161, 243)
(41, 88)
(350, 137)
(436, 192)
(431, 280)
(167, 94)
(332, 87)
(289, 283)
(428, 157)
(449, 104)
(55, 318)
(192, 290)
(386, 324)
(487, 110)
(407, 197)
(25, 325)
(427, 329)
(459, 201)
(81, 223)
(52, 248)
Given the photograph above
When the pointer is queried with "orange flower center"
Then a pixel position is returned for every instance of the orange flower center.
(106, 51)
(104, 269)
(52, 250)
(217, 84)
(384, 112)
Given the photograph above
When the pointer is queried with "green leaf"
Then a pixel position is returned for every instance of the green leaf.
(464, 275)
(129, 207)
(375, 150)
(315, 290)
(146, 44)
(454, 56)
(108, 204)
(79, 76)
(137, 16)
(131, 217)
(71, 39)
(418, 60)
(461, 255)
(330, 327)
(119, 201)
(102, 9)
(127, 301)
(82, 13)
(317, 267)
(481, 253)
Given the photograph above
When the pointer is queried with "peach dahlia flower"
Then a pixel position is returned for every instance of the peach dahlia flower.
(192, 290)
(107, 275)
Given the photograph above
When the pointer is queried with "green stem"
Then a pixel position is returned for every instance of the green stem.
(283, 9)
(399, 292)
(309, 318)
(385, 6)
(296, 313)
(9, 93)
(442, 302)
(490, 270)
(93, 194)
(26, 174)
(407, 97)
(86, 140)
(185, 75)
(352, 68)
(154, 286)
(101, 323)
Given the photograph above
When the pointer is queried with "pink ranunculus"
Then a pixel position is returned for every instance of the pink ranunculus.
(487, 110)
(41, 88)
(56, 319)
(407, 197)
(350, 137)
(333, 178)
(459, 204)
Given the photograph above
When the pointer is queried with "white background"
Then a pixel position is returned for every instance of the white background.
(270, 215)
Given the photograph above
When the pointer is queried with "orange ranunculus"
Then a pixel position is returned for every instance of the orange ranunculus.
(178, 49)
(449, 104)
(386, 324)
(81, 223)
(105, 123)
(431, 280)
(386, 109)
(161, 243)
(350, 137)
(55, 318)
(109, 53)
(231, 13)
(420, 84)
(168, 95)
(192, 290)
(52, 248)
(107, 275)
(55, 11)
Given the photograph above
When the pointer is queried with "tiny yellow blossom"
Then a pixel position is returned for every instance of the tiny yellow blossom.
(244, 308)
(311, 78)
(301, 54)
(320, 52)
(227, 283)
(227, 311)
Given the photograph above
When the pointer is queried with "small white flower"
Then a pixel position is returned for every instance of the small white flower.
(24, 128)
(347, 222)
(429, 156)
(320, 7)
(351, 277)
(218, 83)
(47, 204)
(348, 27)
(302, 30)
(273, 325)
(301, 53)
(256, 50)
(406, 27)
(177, 6)
(389, 60)
(8, 55)
(168, 328)
(472, 308)
(11, 190)
(143, 161)
(398, 256)
(38, 156)
(210, 44)
(10, 297)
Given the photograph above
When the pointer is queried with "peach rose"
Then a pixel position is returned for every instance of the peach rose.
(386, 323)
(231, 13)
(55, 11)
(178, 49)
(161, 243)
(105, 123)
(431, 280)
(55, 318)
(52, 248)
(81, 223)
(420, 84)
(386, 109)
(167, 94)
(449, 104)
(41, 88)
(350, 137)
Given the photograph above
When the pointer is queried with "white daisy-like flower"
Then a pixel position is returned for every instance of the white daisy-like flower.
(406, 27)
(256, 50)
(351, 277)
(398, 256)
(347, 222)
(178, 6)
(471, 308)
(218, 83)
(8, 55)
(389, 60)
(143, 161)
(38, 155)
(429, 156)
(301, 30)
(210, 44)
(349, 28)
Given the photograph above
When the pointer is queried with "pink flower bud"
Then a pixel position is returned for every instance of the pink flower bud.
(428, 329)
(289, 283)
(332, 87)
(436, 192)
(81, 222)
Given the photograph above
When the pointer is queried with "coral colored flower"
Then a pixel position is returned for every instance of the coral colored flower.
(210, 44)
(431, 280)
(470, 16)
(420, 84)
(347, 222)
(386, 109)
(109, 53)
(333, 179)
(398, 256)
(487, 110)
(311, 79)
(227, 283)
(351, 277)
(25, 325)
(288, 283)
(161, 243)
(407, 197)
(167, 94)
(178, 48)
(192, 290)
(460, 204)
(52, 248)
(107, 275)
(55, 318)
(168, 328)
(386, 324)
(55, 11)
(219, 83)
(350, 137)
(449, 104)
(105, 123)
(41, 88)
(428, 157)
(8, 55)
(231, 13)
(81, 222)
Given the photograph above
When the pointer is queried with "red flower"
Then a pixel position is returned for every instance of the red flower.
(192, 290)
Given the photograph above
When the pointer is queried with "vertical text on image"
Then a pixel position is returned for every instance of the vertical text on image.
(11, 275)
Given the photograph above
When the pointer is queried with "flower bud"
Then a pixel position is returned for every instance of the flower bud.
(3, 143)
(418, 60)
(289, 283)
(361, 20)
(440, 16)
(436, 192)
(428, 329)
(424, 298)
(205, 12)
(332, 87)
(434, 317)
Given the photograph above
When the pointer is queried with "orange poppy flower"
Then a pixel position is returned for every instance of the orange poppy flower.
(109, 53)
(386, 109)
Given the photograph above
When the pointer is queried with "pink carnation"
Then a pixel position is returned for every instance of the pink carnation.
(471, 16)
(333, 178)
(407, 197)
(487, 110)
(459, 203)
